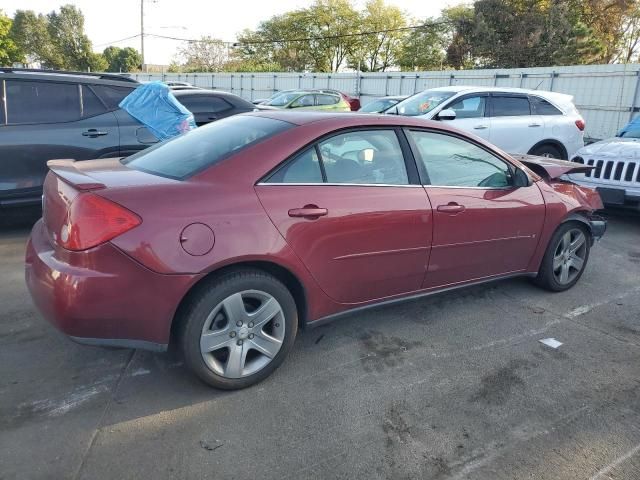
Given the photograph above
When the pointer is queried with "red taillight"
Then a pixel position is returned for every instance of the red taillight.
(92, 220)
(580, 125)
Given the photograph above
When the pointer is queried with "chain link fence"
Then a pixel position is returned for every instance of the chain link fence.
(606, 95)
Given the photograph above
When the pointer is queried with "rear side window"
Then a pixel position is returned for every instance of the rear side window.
(188, 154)
(540, 106)
(509, 106)
(41, 102)
(327, 99)
(204, 103)
(111, 95)
(91, 104)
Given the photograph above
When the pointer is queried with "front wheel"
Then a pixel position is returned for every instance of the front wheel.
(238, 329)
(565, 259)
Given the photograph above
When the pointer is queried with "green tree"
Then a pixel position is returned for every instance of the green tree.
(31, 34)
(122, 59)
(377, 52)
(424, 48)
(9, 51)
(66, 29)
(204, 55)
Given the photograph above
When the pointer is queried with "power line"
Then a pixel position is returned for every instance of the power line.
(117, 41)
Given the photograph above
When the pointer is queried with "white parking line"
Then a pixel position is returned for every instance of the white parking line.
(616, 462)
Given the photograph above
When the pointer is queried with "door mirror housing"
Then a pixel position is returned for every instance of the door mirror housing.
(447, 114)
(520, 178)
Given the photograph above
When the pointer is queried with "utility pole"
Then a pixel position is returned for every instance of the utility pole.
(144, 68)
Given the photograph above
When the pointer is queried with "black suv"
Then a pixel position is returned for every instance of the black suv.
(46, 114)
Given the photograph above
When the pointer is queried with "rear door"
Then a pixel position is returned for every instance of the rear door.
(514, 128)
(483, 225)
(471, 114)
(328, 102)
(354, 213)
(48, 120)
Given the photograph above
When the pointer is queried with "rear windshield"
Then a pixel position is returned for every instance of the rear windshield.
(187, 154)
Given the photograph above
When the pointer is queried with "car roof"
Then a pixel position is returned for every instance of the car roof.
(559, 97)
(345, 119)
(67, 76)
(188, 92)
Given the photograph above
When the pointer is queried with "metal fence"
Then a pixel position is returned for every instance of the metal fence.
(606, 95)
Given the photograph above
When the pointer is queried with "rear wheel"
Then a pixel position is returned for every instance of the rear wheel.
(239, 329)
(547, 150)
(565, 259)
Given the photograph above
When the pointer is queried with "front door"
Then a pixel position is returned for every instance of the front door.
(349, 210)
(471, 114)
(483, 225)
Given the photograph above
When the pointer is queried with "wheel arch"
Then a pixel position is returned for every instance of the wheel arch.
(553, 142)
(578, 216)
(285, 275)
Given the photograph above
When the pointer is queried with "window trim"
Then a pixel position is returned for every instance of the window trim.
(6, 110)
(511, 95)
(424, 175)
(413, 176)
(3, 102)
(208, 97)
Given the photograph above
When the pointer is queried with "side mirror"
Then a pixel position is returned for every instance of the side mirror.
(447, 114)
(520, 179)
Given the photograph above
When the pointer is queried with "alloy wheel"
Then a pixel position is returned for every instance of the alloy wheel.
(242, 334)
(569, 256)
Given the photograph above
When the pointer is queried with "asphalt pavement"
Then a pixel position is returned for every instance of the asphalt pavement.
(456, 386)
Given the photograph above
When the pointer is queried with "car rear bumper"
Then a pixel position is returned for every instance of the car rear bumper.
(102, 296)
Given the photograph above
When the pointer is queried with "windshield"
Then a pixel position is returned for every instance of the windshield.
(283, 99)
(379, 105)
(422, 103)
(631, 134)
(191, 152)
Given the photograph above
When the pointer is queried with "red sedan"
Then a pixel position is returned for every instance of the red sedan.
(231, 237)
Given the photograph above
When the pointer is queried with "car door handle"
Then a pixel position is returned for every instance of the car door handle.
(212, 118)
(93, 133)
(308, 211)
(481, 127)
(535, 124)
(451, 207)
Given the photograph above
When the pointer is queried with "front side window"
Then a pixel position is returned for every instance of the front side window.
(303, 101)
(453, 162)
(41, 102)
(509, 106)
(423, 103)
(187, 154)
(469, 107)
(112, 95)
(371, 157)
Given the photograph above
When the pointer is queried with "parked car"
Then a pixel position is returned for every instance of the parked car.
(381, 105)
(517, 120)
(51, 114)
(353, 102)
(210, 105)
(54, 114)
(616, 175)
(259, 224)
(310, 100)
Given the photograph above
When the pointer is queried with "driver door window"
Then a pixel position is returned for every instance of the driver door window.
(452, 162)
(469, 107)
(304, 101)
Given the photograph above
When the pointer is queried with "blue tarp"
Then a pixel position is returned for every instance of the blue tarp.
(153, 105)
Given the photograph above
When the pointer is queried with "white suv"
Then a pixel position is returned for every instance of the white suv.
(514, 119)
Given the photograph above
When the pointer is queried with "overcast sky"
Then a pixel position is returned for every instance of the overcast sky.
(111, 20)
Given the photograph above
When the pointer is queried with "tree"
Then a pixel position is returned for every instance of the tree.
(31, 34)
(204, 55)
(377, 52)
(9, 51)
(122, 59)
(424, 48)
(66, 29)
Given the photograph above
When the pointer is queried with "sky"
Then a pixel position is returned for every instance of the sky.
(112, 20)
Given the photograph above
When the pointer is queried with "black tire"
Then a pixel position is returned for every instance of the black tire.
(546, 277)
(548, 150)
(208, 297)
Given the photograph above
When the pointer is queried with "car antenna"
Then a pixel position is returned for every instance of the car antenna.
(538, 86)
